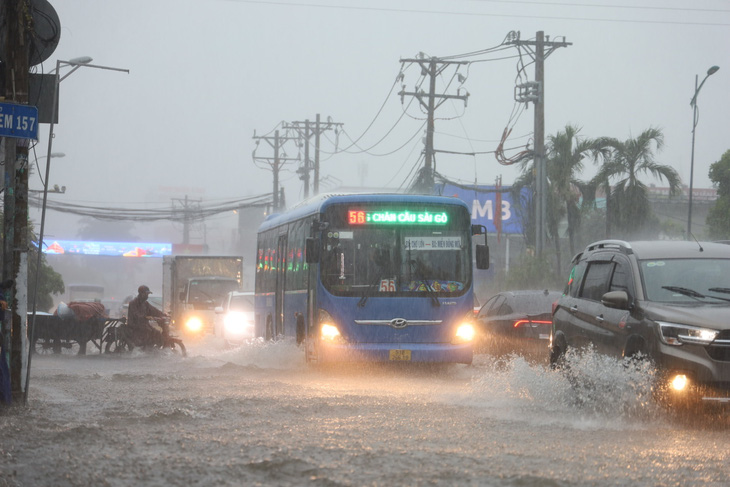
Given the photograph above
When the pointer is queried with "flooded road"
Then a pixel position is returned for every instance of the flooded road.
(258, 415)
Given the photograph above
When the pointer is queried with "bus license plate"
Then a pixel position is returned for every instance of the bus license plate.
(404, 355)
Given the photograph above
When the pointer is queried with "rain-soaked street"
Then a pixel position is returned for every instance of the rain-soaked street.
(258, 415)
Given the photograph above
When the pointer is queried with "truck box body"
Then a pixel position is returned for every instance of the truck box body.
(193, 285)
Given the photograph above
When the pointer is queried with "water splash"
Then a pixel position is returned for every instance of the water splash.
(592, 390)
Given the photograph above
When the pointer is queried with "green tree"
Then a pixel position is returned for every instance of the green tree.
(628, 209)
(718, 218)
(566, 152)
(49, 282)
(571, 196)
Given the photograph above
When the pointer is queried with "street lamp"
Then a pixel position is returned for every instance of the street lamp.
(45, 184)
(76, 63)
(693, 104)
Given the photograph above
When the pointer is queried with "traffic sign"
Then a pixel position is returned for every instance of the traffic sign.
(20, 121)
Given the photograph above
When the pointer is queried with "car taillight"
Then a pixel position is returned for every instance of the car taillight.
(519, 323)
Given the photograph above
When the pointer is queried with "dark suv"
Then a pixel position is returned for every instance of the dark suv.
(665, 300)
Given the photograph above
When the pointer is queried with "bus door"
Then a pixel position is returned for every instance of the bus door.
(280, 286)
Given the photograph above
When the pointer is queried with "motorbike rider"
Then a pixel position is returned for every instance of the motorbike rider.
(138, 315)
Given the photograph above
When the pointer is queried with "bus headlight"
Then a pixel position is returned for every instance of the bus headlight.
(465, 333)
(194, 324)
(328, 330)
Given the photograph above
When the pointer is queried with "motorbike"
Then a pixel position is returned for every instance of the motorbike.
(122, 338)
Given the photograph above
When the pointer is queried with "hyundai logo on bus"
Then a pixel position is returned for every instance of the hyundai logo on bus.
(19, 121)
(361, 217)
(398, 322)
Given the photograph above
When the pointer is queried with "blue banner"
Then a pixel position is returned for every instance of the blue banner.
(483, 203)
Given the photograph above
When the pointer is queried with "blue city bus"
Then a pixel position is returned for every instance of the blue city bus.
(372, 277)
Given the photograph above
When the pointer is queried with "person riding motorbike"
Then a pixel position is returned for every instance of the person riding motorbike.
(138, 316)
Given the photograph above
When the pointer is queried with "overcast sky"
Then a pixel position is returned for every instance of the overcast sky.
(205, 74)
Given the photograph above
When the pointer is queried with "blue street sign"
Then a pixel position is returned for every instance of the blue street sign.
(19, 121)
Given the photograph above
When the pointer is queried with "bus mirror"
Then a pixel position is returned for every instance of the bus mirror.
(482, 256)
(478, 230)
(311, 251)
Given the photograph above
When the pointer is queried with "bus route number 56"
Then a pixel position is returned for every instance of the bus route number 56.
(387, 285)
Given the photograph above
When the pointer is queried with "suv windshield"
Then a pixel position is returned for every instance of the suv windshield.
(241, 303)
(663, 279)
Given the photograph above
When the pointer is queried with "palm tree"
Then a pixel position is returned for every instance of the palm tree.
(627, 198)
(566, 152)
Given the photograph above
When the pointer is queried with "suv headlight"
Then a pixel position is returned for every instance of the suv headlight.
(676, 334)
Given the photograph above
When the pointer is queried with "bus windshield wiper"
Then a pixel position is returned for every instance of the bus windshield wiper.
(692, 293)
(369, 290)
(419, 277)
(725, 290)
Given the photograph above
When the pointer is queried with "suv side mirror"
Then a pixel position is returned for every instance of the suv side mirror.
(311, 250)
(616, 300)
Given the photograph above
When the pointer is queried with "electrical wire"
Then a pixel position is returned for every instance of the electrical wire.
(154, 214)
(480, 14)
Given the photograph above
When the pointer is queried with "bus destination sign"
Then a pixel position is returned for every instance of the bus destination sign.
(404, 217)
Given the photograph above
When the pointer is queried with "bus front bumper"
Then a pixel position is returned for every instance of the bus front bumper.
(392, 352)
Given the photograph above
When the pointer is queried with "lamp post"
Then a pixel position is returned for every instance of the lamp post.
(76, 63)
(57, 155)
(693, 104)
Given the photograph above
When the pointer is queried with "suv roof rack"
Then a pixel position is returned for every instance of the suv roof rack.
(621, 245)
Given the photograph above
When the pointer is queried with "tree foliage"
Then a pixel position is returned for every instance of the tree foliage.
(50, 282)
(568, 197)
(628, 211)
(718, 218)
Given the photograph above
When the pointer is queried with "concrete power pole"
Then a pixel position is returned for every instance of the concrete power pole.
(15, 244)
(189, 208)
(276, 162)
(305, 130)
(539, 50)
(431, 67)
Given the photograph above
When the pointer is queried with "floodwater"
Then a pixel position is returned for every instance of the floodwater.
(258, 415)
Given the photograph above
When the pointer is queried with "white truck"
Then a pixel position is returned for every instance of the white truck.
(194, 285)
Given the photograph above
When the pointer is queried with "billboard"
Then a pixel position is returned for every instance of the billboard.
(483, 201)
(118, 249)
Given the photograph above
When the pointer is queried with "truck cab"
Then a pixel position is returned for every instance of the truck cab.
(199, 298)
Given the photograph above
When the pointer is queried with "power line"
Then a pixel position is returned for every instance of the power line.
(154, 214)
(603, 5)
(480, 14)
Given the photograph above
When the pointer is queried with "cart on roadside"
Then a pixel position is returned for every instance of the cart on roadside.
(71, 329)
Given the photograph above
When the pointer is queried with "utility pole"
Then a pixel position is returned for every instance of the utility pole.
(189, 208)
(15, 244)
(431, 67)
(305, 130)
(539, 50)
(276, 162)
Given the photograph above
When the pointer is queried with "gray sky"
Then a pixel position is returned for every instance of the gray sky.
(204, 74)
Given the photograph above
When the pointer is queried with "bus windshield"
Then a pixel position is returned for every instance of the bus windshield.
(396, 261)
